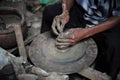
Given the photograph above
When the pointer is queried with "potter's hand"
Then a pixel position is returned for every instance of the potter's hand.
(71, 37)
(59, 22)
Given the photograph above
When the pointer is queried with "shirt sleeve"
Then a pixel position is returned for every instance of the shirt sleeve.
(116, 10)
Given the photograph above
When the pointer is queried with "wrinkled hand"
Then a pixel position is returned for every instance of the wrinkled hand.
(71, 37)
(59, 22)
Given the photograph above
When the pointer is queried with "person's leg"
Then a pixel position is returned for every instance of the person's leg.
(76, 18)
(49, 13)
(112, 50)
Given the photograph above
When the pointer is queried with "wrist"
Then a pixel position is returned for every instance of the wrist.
(64, 7)
(65, 12)
(90, 31)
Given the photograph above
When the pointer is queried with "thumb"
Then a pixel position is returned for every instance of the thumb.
(63, 25)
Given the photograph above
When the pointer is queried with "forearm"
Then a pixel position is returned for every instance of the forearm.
(109, 23)
(66, 5)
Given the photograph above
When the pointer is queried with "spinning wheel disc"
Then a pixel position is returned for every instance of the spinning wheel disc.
(44, 54)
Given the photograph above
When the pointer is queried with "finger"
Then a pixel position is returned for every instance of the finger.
(62, 47)
(62, 44)
(62, 26)
(54, 27)
(65, 40)
(59, 25)
(68, 36)
(64, 35)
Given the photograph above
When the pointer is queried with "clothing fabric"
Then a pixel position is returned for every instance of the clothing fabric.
(110, 38)
(75, 19)
(99, 10)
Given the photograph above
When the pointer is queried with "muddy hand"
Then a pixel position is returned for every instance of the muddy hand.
(63, 41)
(72, 36)
(57, 26)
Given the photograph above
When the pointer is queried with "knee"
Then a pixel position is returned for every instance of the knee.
(51, 11)
(47, 16)
(113, 42)
(47, 12)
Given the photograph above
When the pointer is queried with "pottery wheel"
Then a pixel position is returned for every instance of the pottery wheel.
(44, 54)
